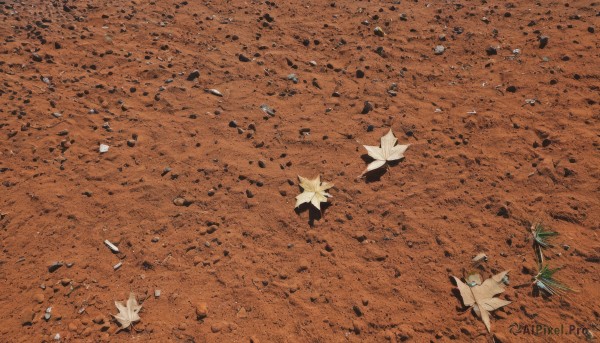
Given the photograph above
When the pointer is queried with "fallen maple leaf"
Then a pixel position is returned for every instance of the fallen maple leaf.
(314, 192)
(128, 313)
(480, 296)
(387, 152)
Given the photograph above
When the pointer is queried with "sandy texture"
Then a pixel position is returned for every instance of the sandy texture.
(197, 190)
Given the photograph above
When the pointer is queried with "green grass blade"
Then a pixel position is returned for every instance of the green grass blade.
(542, 236)
(546, 282)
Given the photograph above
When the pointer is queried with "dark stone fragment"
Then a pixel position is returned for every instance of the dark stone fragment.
(543, 41)
(193, 75)
(491, 51)
(368, 107)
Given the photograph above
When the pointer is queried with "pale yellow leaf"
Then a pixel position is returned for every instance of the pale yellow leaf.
(375, 152)
(128, 312)
(388, 151)
(499, 278)
(494, 304)
(314, 192)
(473, 279)
(375, 164)
(481, 295)
(465, 292)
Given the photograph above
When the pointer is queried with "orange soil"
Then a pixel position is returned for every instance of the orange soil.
(482, 166)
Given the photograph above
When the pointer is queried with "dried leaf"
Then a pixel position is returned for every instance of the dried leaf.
(465, 292)
(387, 152)
(501, 277)
(314, 192)
(480, 296)
(128, 312)
(473, 279)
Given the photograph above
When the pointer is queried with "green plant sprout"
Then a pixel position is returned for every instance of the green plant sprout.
(545, 281)
(541, 239)
(541, 235)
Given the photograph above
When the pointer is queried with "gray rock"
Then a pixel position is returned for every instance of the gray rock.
(293, 78)
(214, 92)
(268, 110)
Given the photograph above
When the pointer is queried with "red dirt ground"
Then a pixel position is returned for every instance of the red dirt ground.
(483, 165)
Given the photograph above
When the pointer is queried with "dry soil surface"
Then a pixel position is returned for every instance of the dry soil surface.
(499, 101)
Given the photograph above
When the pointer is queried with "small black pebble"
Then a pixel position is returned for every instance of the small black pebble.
(503, 212)
(53, 267)
(546, 142)
(543, 41)
(268, 17)
(491, 51)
